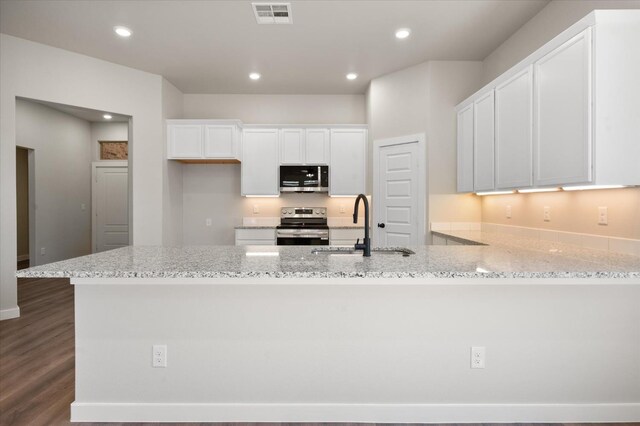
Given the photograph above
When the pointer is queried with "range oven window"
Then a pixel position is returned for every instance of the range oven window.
(304, 178)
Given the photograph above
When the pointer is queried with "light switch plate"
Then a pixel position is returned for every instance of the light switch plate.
(603, 215)
(547, 214)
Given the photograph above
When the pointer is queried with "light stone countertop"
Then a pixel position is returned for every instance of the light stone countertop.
(499, 260)
(274, 227)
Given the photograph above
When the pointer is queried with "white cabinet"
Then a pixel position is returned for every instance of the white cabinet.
(260, 162)
(465, 148)
(347, 170)
(483, 136)
(221, 141)
(185, 141)
(255, 237)
(304, 146)
(583, 126)
(203, 140)
(513, 139)
(292, 146)
(317, 146)
(345, 236)
(562, 148)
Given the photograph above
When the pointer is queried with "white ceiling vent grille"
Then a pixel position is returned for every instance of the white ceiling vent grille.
(272, 13)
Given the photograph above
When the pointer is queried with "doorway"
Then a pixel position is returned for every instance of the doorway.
(24, 204)
(399, 191)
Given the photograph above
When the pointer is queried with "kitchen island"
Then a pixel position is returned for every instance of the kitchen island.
(278, 334)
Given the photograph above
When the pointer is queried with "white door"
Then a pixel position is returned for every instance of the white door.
(483, 139)
(513, 131)
(397, 198)
(110, 208)
(562, 144)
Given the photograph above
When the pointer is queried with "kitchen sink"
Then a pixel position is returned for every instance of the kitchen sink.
(351, 251)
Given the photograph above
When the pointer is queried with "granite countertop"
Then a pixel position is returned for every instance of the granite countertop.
(500, 260)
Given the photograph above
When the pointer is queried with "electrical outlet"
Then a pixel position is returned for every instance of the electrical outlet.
(208, 221)
(603, 216)
(478, 356)
(159, 356)
(508, 212)
(43, 251)
(546, 215)
(256, 209)
(342, 209)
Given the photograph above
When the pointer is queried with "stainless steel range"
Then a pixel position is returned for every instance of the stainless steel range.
(303, 226)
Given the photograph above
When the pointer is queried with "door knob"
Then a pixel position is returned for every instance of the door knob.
(381, 225)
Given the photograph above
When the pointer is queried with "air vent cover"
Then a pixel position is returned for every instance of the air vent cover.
(272, 13)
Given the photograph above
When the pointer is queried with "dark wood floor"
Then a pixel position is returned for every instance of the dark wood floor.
(37, 358)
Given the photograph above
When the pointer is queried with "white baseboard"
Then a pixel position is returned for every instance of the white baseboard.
(355, 413)
(10, 313)
(23, 257)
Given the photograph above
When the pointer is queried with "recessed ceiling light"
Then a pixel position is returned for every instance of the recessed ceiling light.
(403, 33)
(122, 31)
(254, 76)
(352, 76)
(107, 117)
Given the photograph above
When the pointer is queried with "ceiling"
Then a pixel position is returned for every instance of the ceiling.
(91, 115)
(212, 46)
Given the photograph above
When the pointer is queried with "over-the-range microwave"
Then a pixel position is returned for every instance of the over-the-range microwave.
(304, 178)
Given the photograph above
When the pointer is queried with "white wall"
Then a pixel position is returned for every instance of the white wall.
(213, 190)
(421, 99)
(172, 105)
(557, 16)
(278, 109)
(62, 158)
(37, 71)
(107, 132)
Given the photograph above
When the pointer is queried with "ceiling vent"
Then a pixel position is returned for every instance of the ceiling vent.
(272, 13)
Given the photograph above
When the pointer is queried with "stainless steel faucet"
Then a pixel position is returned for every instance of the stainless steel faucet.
(366, 246)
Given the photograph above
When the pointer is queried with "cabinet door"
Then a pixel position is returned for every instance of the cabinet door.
(465, 149)
(292, 146)
(483, 137)
(185, 141)
(347, 172)
(260, 162)
(562, 97)
(514, 108)
(220, 141)
(317, 146)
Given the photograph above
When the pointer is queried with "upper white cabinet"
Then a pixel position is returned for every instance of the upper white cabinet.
(465, 148)
(185, 141)
(317, 146)
(304, 146)
(513, 139)
(260, 162)
(562, 148)
(347, 170)
(565, 115)
(202, 140)
(483, 136)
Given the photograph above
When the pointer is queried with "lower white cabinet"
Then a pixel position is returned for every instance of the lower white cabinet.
(345, 237)
(260, 162)
(347, 170)
(255, 237)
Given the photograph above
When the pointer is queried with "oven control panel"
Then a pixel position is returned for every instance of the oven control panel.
(303, 212)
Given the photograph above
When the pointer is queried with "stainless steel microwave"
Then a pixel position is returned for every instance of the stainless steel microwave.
(304, 178)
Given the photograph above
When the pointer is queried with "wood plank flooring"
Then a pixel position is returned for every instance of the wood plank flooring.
(37, 359)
